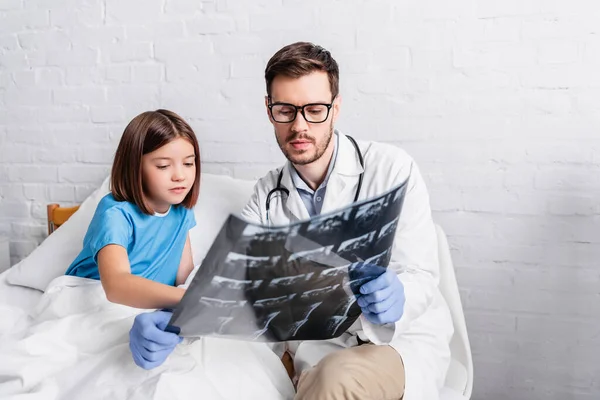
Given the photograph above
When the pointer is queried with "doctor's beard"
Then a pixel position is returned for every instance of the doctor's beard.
(301, 158)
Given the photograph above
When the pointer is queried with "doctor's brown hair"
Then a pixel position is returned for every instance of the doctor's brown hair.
(144, 134)
(300, 59)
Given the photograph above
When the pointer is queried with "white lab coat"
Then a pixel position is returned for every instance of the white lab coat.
(423, 333)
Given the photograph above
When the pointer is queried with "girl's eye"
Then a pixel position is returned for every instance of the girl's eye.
(162, 166)
(189, 164)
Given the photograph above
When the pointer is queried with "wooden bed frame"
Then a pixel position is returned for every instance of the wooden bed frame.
(58, 215)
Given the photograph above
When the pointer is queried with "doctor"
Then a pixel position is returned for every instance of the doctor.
(399, 347)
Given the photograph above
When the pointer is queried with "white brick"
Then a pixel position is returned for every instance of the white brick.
(557, 280)
(49, 77)
(10, 4)
(23, 248)
(82, 173)
(5, 80)
(573, 204)
(25, 134)
(173, 30)
(193, 51)
(238, 153)
(61, 193)
(29, 96)
(39, 210)
(248, 67)
(14, 209)
(101, 37)
(107, 114)
(217, 169)
(82, 191)
(118, 73)
(34, 174)
(80, 95)
(199, 102)
(34, 191)
(236, 44)
(191, 74)
(12, 191)
(210, 24)
(508, 8)
(63, 153)
(480, 322)
(9, 43)
(27, 230)
(568, 179)
(82, 75)
(142, 11)
(24, 79)
(75, 135)
(150, 73)
(254, 171)
(182, 7)
(492, 55)
(242, 6)
(134, 98)
(85, 13)
(20, 21)
(304, 19)
(130, 52)
(72, 113)
(82, 56)
(96, 155)
(559, 51)
(578, 304)
(44, 40)
(15, 153)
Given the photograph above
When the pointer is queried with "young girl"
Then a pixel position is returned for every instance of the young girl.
(137, 243)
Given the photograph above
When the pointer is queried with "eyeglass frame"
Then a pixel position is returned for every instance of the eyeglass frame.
(301, 109)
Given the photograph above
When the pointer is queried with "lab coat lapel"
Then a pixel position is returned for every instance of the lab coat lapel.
(343, 181)
(294, 203)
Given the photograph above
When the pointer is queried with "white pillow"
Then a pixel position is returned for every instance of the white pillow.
(219, 196)
(52, 258)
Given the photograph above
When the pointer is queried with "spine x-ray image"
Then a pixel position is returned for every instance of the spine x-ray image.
(294, 282)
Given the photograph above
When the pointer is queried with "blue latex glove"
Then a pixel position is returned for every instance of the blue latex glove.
(382, 298)
(150, 345)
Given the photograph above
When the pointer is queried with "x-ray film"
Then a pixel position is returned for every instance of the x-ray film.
(293, 282)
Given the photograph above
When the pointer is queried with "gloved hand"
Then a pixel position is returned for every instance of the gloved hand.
(382, 298)
(150, 345)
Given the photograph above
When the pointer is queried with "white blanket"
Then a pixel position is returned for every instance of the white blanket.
(74, 345)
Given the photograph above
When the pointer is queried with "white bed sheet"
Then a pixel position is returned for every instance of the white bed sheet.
(17, 296)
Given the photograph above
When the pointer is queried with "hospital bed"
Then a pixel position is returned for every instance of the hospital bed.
(21, 286)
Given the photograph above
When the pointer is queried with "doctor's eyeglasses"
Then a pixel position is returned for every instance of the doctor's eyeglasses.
(285, 113)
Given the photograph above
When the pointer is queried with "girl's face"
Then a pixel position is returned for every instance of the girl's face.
(168, 174)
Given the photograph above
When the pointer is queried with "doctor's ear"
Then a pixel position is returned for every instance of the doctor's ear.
(267, 109)
(337, 106)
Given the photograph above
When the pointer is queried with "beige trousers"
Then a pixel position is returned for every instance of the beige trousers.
(366, 372)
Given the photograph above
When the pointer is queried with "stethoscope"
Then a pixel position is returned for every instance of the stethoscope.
(287, 192)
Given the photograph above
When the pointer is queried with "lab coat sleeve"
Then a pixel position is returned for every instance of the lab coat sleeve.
(414, 257)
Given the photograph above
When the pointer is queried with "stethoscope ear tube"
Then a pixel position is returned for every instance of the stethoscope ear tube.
(287, 192)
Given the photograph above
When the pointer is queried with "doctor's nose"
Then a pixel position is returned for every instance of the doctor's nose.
(299, 124)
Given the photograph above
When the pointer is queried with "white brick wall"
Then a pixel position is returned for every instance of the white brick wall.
(497, 100)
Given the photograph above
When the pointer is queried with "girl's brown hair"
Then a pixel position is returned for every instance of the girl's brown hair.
(144, 134)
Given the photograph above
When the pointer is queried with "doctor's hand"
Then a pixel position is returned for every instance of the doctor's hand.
(382, 299)
(150, 345)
